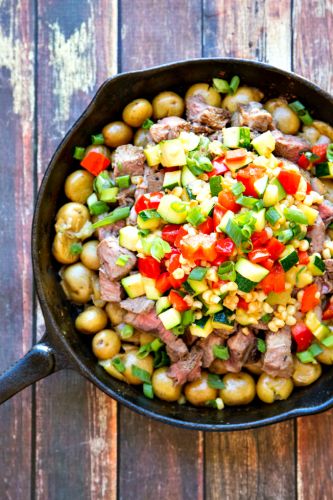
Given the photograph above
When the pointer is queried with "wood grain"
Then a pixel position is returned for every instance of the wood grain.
(313, 59)
(77, 439)
(157, 461)
(16, 206)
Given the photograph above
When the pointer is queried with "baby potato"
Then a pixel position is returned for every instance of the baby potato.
(77, 283)
(106, 344)
(115, 313)
(98, 148)
(116, 134)
(323, 128)
(270, 389)
(91, 320)
(89, 255)
(210, 95)
(79, 186)
(111, 369)
(71, 217)
(136, 112)
(61, 249)
(198, 392)
(131, 358)
(164, 387)
(255, 368)
(167, 104)
(146, 338)
(325, 357)
(218, 366)
(141, 138)
(284, 117)
(240, 389)
(305, 373)
(310, 134)
(243, 95)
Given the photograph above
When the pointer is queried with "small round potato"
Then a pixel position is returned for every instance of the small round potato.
(284, 117)
(310, 134)
(71, 217)
(168, 104)
(323, 128)
(198, 392)
(243, 95)
(255, 368)
(131, 358)
(136, 112)
(111, 369)
(61, 248)
(240, 389)
(91, 320)
(106, 344)
(270, 389)
(164, 387)
(79, 186)
(115, 313)
(98, 148)
(210, 95)
(218, 366)
(89, 255)
(141, 138)
(77, 283)
(325, 357)
(305, 373)
(116, 134)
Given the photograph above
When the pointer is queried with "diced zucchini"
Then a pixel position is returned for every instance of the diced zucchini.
(202, 327)
(189, 140)
(225, 219)
(172, 179)
(221, 320)
(236, 137)
(133, 285)
(321, 332)
(271, 196)
(248, 275)
(260, 185)
(260, 219)
(281, 298)
(264, 144)
(153, 155)
(148, 219)
(195, 287)
(289, 258)
(316, 265)
(312, 321)
(236, 165)
(310, 213)
(187, 176)
(209, 309)
(129, 237)
(303, 276)
(172, 153)
(150, 288)
(243, 318)
(207, 207)
(281, 192)
(172, 209)
(324, 170)
(170, 318)
(162, 304)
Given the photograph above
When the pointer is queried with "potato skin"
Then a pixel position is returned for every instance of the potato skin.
(164, 387)
(117, 134)
(130, 359)
(79, 186)
(77, 283)
(284, 117)
(106, 344)
(240, 389)
(89, 255)
(98, 148)
(91, 320)
(210, 95)
(244, 95)
(71, 217)
(137, 112)
(270, 389)
(167, 104)
(305, 373)
(61, 249)
(198, 392)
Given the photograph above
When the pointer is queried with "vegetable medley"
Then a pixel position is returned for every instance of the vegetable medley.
(199, 247)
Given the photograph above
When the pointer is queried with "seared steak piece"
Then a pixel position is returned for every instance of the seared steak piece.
(111, 291)
(154, 180)
(326, 212)
(187, 369)
(207, 345)
(125, 197)
(317, 185)
(278, 361)
(108, 252)
(109, 230)
(168, 128)
(325, 283)
(329, 268)
(254, 116)
(138, 305)
(242, 348)
(198, 111)
(317, 235)
(289, 146)
(128, 160)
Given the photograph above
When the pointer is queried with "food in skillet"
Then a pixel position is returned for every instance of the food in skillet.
(201, 253)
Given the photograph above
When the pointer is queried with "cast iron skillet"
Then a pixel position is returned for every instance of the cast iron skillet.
(61, 347)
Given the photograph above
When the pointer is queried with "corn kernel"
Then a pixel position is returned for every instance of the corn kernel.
(291, 310)
(197, 304)
(267, 308)
(304, 245)
(177, 191)
(290, 321)
(178, 274)
(326, 253)
(198, 315)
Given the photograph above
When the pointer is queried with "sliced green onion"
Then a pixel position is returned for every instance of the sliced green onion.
(295, 215)
(198, 163)
(261, 345)
(122, 260)
(144, 351)
(285, 235)
(143, 232)
(109, 195)
(246, 231)
(148, 391)
(247, 246)
(161, 359)
(102, 181)
(234, 232)
(328, 342)
(97, 139)
(247, 201)
(127, 330)
(118, 364)
(147, 124)
(140, 373)
(178, 330)
(234, 84)
(302, 112)
(149, 213)
(195, 216)
(215, 382)
(187, 317)
(266, 318)
(159, 248)
(189, 193)
(156, 345)
(305, 357)
(258, 206)
(238, 188)
(95, 206)
(215, 184)
(315, 349)
(226, 271)
(198, 273)
(272, 216)
(311, 156)
(118, 213)
(221, 86)
(245, 218)
(75, 248)
(123, 181)
(178, 206)
(329, 152)
(79, 153)
(221, 352)
(215, 403)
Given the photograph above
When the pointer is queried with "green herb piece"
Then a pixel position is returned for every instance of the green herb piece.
(234, 84)
(221, 86)
(140, 373)
(161, 359)
(102, 181)
(226, 271)
(285, 235)
(156, 345)
(261, 345)
(79, 153)
(148, 391)
(295, 215)
(247, 201)
(126, 331)
(197, 163)
(221, 352)
(234, 232)
(178, 330)
(311, 156)
(215, 382)
(215, 184)
(97, 139)
(246, 246)
(329, 152)
(189, 193)
(159, 248)
(272, 216)
(143, 232)
(144, 351)
(266, 318)
(215, 403)
(302, 112)
(315, 349)
(328, 341)
(195, 216)
(147, 124)
(178, 206)
(109, 195)
(258, 206)
(118, 213)
(122, 260)
(75, 248)
(305, 357)
(238, 188)
(187, 317)
(198, 273)
(118, 365)
(123, 181)
(95, 206)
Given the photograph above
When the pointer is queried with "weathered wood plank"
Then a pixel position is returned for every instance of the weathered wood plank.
(76, 424)
(253, 464)
(157, 461)
(312, 23)
(16, 205)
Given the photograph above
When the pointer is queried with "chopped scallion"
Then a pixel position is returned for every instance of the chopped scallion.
(305, 357)
(295, 215)
(161, 359)
(118, 213)
(315, 349)
(178, 206)
(148, 391)
(147, 124)
(266, 318)
(195, 216)
(215, 184)
(178, 330)
(159, 248)
(187, 317)
(221, 352)
(122, 260)
(97, 139)
(261, 345)
(328, 342)
(238, 188)
(140, 373)
(272, 216)
(95, 206)
(79, 153)
(144, 351)
(109, 195)
(247, 201)
(102, 181)
(311, 156)
(198, 273)
(234, 232)
(156, 345)
(118, 365)
(226, 271)
(329, 152)
(75, 248)
(234, 84)
(302, 112)
(221, 86)
(123, 181)
(127, 330)
(285, 235)
(246, 246)
(215, 382)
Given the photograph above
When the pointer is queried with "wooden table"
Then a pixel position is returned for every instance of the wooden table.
(63, 439)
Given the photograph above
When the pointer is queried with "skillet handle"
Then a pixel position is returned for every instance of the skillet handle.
(36, 364)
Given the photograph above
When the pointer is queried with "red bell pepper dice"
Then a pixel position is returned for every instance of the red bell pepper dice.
(181, 233)
(243, 304)
(150, 267)
(303, 162)
(95, 163)
(219, 167)
(178, 302)
(225, 247)
(217, 215)
(148, 201)
(163, 283)
(170, 233)
(199, 247)
(275, 248)
(259, 255)
(289, 181)
(303, 257)
(248, 176)
(227, 200)
(207, 227)
(321, 151)
(309, 300)
(259, 238)
(275, 281)
(302, 336)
